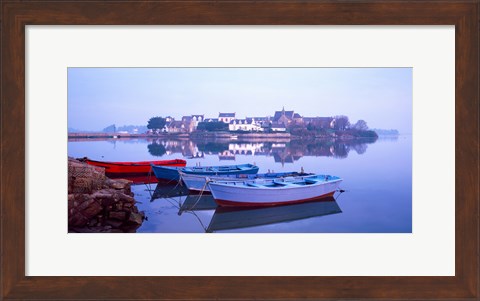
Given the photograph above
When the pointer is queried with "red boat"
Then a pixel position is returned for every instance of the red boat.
(132, 168)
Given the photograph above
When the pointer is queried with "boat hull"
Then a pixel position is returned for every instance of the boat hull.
(241, 195)
(164, 173)
(172, 173)
(133, 168)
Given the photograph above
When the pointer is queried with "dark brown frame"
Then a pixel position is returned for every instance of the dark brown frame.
(463, 14)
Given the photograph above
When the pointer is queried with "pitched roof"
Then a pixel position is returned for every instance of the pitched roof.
(175, 124)
(278, 114)
(259, 118)
(226, 114)
(241, 121)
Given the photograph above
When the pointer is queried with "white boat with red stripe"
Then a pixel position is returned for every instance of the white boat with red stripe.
(273, 192)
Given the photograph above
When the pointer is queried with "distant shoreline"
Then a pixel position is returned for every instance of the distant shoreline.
(178, 135)
(205, 135)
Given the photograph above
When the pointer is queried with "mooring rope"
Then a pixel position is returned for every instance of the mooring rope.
(198, 218)
(149, 188)
(207, 180)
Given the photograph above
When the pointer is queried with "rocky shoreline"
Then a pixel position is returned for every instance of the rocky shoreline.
(97, 204)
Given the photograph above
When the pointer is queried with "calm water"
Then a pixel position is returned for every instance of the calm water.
(377, 179)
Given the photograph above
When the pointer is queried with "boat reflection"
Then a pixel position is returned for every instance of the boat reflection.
(137, 179)
(197, 202)
(235, 218)
(170, 190)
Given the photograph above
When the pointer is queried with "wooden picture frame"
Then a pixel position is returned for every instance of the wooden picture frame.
(463, 14)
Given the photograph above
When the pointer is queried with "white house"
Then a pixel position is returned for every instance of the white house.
(226, 117)
(278, 127)
(245, 125)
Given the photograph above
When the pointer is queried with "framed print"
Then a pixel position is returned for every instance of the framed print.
(260, 72)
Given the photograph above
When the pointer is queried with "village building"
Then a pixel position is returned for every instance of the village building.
(283, 117)
(260, 119)
(278, 127)
(297, 118)
(196, 119)
(320, 122)
(176, 127)
(211, 120)
(188, 123)
(191, 122)
(245, 125)
(226, 117)
(264, 122)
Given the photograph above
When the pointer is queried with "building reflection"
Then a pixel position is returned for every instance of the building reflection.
(282, 152)
(187, 148)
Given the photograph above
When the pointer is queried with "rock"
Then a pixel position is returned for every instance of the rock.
(92, 210)
(85, 203)
(136, 218)
(77, 220)
(120, 215)
(114, 223)
(120, 184)
(126, 198)
(93, 197)
(107, 203)
(102, 194)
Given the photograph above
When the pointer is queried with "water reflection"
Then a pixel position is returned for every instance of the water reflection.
(168, 190)
(237, 218)
(197, 202)
(137, 179)
(282, 151)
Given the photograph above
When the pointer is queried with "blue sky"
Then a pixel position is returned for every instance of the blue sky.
(98, 97)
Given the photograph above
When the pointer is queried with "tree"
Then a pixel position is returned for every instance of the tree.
(361, 125)
(341, 123)
(212, 126)
(109, 129)
(156, 123)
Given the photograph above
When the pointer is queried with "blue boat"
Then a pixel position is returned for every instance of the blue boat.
(195, 182)
(172, 173)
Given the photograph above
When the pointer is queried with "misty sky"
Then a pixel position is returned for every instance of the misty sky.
(98, 97)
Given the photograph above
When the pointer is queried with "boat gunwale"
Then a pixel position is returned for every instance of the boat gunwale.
(284, 187)
(139, 163)
(233, 178)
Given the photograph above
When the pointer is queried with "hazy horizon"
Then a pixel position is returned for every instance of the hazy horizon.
(98, 97)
